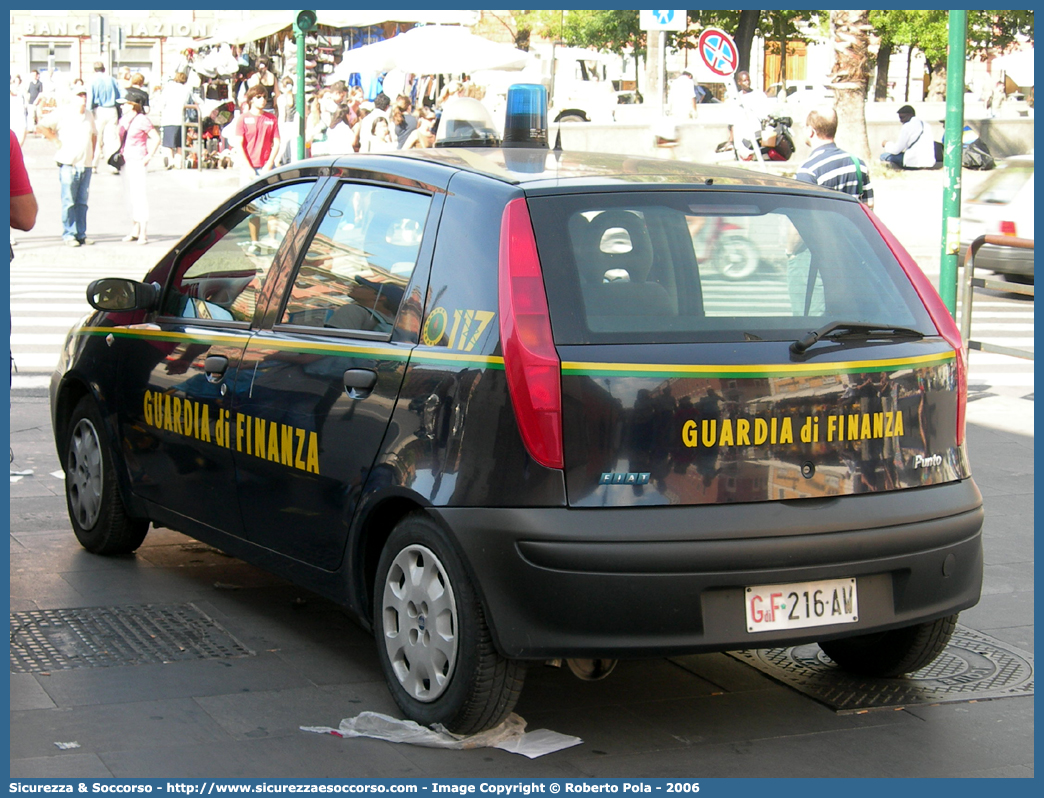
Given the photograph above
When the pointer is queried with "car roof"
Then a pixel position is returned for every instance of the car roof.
(537, 169)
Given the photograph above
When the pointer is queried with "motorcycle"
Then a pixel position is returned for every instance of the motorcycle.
(775, 141)
(724, 245)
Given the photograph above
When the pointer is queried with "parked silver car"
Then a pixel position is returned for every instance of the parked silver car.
(1003, 205)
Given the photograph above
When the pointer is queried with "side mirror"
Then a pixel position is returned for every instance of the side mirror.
(117, 294)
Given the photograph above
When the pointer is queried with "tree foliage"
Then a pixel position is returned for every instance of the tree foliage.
(618, 31)
(608, 31)
(989, 33)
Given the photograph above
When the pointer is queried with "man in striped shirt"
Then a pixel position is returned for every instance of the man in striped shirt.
(829, 165)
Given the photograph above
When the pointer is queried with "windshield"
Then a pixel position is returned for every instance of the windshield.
(677, 266)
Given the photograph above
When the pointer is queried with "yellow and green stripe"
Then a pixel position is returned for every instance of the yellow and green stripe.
(446, 357)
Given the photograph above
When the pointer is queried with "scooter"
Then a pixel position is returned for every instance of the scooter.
(775, 141)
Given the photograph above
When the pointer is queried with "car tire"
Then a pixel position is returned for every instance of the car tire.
(892, 653)
(92, 495)
(571, 118)
(735, 256)
(433, 641)
(1024, 279)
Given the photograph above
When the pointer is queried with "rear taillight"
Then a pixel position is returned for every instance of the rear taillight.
(1008, 229)
(940, 315)
(530, 359)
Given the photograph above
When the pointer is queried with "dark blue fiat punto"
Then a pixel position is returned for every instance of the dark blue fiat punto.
(512, 404)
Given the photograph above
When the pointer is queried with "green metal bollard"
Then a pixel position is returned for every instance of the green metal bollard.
(951, 236)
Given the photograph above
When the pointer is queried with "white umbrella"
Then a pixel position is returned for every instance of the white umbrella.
(432, 50)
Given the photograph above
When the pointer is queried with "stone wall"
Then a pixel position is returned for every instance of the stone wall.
(697, 140)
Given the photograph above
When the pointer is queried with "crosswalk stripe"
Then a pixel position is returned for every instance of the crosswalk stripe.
(43, 321)
(38, 339)
(37, 361)
(53, 307)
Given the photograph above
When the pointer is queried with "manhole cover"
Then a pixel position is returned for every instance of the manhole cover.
(99, 637)
(973, 667)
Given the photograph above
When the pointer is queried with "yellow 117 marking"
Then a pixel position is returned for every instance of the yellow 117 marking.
(464, 321)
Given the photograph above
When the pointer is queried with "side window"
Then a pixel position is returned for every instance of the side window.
(359, 262)
(221, 276)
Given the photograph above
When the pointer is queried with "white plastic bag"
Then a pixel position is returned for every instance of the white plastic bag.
(509, 736)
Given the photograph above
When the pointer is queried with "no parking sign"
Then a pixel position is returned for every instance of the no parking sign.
(718, 51)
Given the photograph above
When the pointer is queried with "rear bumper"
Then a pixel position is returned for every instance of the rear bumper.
(620, 582)
(1003, 260)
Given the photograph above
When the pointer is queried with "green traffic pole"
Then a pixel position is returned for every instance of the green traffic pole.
(951, 238)
(299, 85)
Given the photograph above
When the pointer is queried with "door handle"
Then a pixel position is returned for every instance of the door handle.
(359, 382)
(215, 367)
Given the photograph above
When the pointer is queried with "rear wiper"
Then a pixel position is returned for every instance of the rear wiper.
(853, 329)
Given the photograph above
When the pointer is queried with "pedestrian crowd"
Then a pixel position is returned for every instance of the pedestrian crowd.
(105, 125)
(99, 125)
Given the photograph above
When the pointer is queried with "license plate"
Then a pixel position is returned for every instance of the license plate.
(801, 604)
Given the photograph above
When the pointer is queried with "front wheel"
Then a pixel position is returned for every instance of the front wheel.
(735, 256)
(96, 510)
(433, 642)
(892, 653)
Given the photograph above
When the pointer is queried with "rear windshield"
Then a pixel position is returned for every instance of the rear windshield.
(678, 266)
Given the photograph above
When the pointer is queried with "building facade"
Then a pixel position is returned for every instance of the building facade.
(150, 42)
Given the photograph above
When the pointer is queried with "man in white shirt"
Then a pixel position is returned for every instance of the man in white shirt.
(73, 130)
(752, 106)
(915, 147)
(683, 96)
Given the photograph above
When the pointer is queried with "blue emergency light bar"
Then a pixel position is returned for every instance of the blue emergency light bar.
(525, 122)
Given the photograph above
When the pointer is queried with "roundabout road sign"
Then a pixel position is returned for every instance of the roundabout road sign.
(718, 51)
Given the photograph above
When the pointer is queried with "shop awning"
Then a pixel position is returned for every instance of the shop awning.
(261, 26)
(432, 50)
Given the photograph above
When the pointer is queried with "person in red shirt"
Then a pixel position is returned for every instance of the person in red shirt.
(255, 136)
(23, 201)
(23, 204)
(255, 139)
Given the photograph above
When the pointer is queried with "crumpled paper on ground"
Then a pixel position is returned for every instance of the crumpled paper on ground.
(511, 735)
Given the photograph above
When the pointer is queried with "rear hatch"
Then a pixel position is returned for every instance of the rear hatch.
(676, 315)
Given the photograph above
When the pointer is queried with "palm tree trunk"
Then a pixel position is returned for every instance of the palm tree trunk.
(851, 74)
